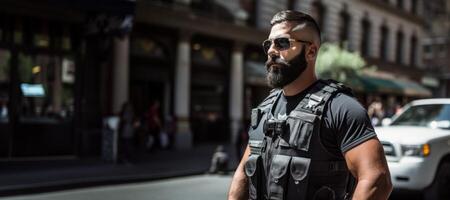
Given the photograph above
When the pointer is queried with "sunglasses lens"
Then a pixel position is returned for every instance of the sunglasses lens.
(266, 45)
(282, 43)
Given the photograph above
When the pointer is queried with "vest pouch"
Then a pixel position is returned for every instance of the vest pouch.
(252, 169)
(278, 177)
(298, 183)
(301, 127)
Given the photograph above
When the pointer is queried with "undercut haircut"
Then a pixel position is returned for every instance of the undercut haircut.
(298, 17)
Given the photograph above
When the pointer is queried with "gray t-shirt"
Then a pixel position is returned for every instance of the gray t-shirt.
(345, 123)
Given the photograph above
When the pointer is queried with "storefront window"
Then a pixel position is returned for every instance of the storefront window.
(18, 33)
(205, 56)
(4, 84)
(66, 43)
(41, 40)
(46, 85)
(146, 47)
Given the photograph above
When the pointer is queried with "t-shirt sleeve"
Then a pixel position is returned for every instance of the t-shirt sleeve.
(349, 122)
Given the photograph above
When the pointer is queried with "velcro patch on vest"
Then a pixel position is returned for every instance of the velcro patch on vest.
(256, 115)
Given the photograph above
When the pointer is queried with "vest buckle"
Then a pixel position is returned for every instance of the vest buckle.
(274, 127)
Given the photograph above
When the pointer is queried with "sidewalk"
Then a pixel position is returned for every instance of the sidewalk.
(41, 176)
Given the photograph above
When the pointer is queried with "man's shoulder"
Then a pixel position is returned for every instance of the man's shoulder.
(334, 86)
(345, 103)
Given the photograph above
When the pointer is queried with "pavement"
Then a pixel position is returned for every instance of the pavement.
(27, 177)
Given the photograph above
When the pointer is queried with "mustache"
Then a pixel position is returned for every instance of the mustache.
(275, 60)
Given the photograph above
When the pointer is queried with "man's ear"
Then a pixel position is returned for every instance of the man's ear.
(312, 52)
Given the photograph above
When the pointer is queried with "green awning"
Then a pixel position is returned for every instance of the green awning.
(380, 85)
(393, 86)
(414, 89)
(255, 74)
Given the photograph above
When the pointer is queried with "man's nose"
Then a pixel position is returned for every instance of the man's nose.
(272, 51)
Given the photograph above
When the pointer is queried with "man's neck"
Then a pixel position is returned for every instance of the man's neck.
(298, 85)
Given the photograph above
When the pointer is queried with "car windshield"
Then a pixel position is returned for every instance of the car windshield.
(435, 116)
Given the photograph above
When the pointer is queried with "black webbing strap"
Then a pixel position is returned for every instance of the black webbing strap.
(319, 95)
(256, 146)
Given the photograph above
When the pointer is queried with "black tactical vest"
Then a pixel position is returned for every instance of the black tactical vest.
(287, 158)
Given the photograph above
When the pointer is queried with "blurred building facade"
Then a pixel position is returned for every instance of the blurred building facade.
(57, 63)
(218, 64)
(436, 45)
(200, 59)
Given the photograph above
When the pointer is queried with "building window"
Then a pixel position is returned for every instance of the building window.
(427, 49)
(344, 29)
(47, 87)
(7, 28)
(2, 28)
(399, 47)
(412, 56)
(147, 47)
(250, 7)
(41, 36)
(365, 42)
(291, 4)
(318, 13)
(400, 4)
(5, 56)
(384, 43)
(18, 31)
(414, 6)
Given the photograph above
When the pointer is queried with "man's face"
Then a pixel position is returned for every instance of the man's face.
(284, 65)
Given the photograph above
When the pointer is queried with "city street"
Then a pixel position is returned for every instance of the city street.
(210, 187)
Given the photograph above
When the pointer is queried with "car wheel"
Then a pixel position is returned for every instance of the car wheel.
(439, 189)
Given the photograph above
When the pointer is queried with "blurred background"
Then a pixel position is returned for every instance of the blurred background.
(112, 91)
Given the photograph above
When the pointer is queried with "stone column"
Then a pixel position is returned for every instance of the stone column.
(120, 72)
(236, 91)
(183, 137)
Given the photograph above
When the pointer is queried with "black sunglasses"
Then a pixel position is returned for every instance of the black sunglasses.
(281, 43)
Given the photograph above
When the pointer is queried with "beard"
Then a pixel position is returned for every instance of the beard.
(281, 72)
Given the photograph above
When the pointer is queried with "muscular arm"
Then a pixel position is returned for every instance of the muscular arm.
(239, 184)
(367, 163)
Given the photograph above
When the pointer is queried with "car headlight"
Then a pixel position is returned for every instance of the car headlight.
(416, 150)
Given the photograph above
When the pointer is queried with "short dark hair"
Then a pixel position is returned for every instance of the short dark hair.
(296, 16)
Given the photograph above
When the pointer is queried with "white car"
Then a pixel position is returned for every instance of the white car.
(417, 148)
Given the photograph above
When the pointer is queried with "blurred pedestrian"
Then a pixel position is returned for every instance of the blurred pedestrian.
(154, 125)
(219, 161)
(126, 133)
(398, 109)
(376, 112)
(170, 127)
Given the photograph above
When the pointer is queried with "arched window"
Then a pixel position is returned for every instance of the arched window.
(365, 39)
(318, 13)
(412, 52)
(399, 47)
(344, 18)
(384, 42)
